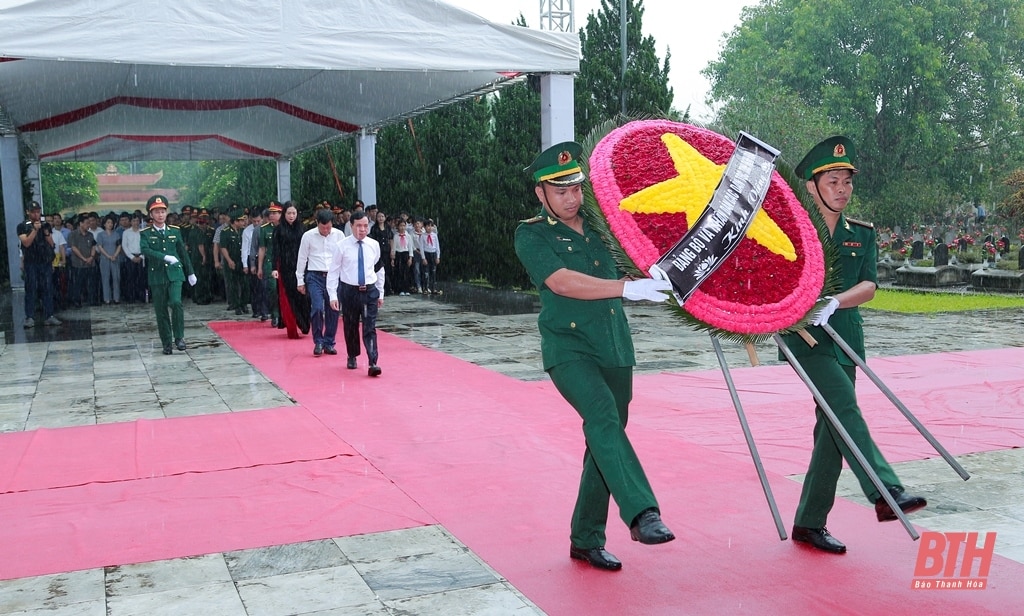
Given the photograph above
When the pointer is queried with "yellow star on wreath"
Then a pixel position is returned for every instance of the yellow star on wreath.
(690, 192)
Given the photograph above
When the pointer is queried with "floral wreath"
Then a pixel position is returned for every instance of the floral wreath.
(651, 178)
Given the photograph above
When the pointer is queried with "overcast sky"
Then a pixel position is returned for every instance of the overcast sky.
(694, 35)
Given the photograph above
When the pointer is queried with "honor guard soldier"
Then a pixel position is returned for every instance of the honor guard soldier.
(265, 260)
(231, 261)
(167, 266)
(828, 170)
(588, 352)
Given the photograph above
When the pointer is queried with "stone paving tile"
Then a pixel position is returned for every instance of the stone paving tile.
(306, 591)
(219, 598)
(51, 592)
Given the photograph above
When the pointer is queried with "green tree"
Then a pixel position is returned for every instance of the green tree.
(931, 91)
(600, 83)
(69, 187)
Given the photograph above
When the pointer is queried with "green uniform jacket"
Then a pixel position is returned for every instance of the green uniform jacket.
(266, 242)
(855, 243)
(156, 245)
(573, 329)
(231, 240)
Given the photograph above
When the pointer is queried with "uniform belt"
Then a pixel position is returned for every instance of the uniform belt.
(316, 272)
(360, 288)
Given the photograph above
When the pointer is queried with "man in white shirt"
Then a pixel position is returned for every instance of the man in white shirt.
(358, 266)
(316, 254)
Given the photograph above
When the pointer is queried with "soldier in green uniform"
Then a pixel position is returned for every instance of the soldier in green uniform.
(231, 261)
(200, 251)
(186, 226)
(265, 257)
(167, 266)
(588, 352)
(828, 169)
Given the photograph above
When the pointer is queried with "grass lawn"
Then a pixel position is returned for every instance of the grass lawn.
(916, 302)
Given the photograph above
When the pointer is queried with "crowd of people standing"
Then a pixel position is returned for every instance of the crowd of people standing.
(250, 258)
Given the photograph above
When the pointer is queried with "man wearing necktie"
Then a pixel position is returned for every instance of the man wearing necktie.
(357, 275)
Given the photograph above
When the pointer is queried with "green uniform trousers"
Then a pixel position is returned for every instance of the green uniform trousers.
(601, 396)
(836, 384)
(170, 316)
(270, 284)
(235, 280)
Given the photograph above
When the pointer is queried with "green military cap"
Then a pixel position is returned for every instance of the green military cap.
(835, 152)
(559, 165)
(156, 201)
(275, 206)
(236, 213)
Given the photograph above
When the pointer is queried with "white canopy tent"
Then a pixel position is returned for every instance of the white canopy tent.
(90, 80)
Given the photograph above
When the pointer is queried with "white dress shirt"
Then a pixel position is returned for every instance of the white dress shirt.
(316, 252)
(345, 265)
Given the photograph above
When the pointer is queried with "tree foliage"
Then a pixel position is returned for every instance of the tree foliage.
(600, 83)
(930, 91)
(68, 186)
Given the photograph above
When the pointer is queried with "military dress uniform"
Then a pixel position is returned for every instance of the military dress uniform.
(202, 236)
(231, 240)
(588, 352)
(834, 373)
(266, 244)
(164, 278)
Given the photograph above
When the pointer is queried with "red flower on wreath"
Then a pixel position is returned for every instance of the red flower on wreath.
(653, 178)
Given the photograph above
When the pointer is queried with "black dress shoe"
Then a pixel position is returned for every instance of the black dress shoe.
(180, 344)
(904, 501)
(317, 350)
(647, 528)
(374, 371)
(167, 350)
(819, 538)
(330, 350)
(597, 557)
(351, 363)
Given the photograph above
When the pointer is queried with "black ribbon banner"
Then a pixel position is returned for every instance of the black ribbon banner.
(723, 223)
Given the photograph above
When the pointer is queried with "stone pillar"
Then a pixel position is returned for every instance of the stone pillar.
(557, 110)
(14, 205)
(284, 179)
(366, 168)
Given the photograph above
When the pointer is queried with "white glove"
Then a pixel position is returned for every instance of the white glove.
(646, 288)
(657, 273)
(171, 259)
(821, 317)
(192, 280)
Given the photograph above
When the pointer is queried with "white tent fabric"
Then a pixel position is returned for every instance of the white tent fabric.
(158, 80)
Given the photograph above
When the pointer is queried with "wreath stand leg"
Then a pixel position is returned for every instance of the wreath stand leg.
(899, 404)
(750, 439)
(857, 454)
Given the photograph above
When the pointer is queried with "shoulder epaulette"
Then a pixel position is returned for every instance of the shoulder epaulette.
(265, 224)
(869, 225)
(530, 221)
(173, 227)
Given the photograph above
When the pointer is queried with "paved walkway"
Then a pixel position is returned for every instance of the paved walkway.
(96, 369)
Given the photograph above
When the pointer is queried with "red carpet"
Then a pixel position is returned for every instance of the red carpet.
(496, 461)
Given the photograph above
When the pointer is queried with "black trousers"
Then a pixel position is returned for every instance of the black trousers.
(359, 306)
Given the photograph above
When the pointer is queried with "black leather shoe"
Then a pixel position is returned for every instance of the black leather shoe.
(648, 529)
(904, 501)
(597, 557)
(180, 344)
(167, 350)
(818, 538)
(330, 350)
(374, 371)
(317, 350)
(351, 365)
